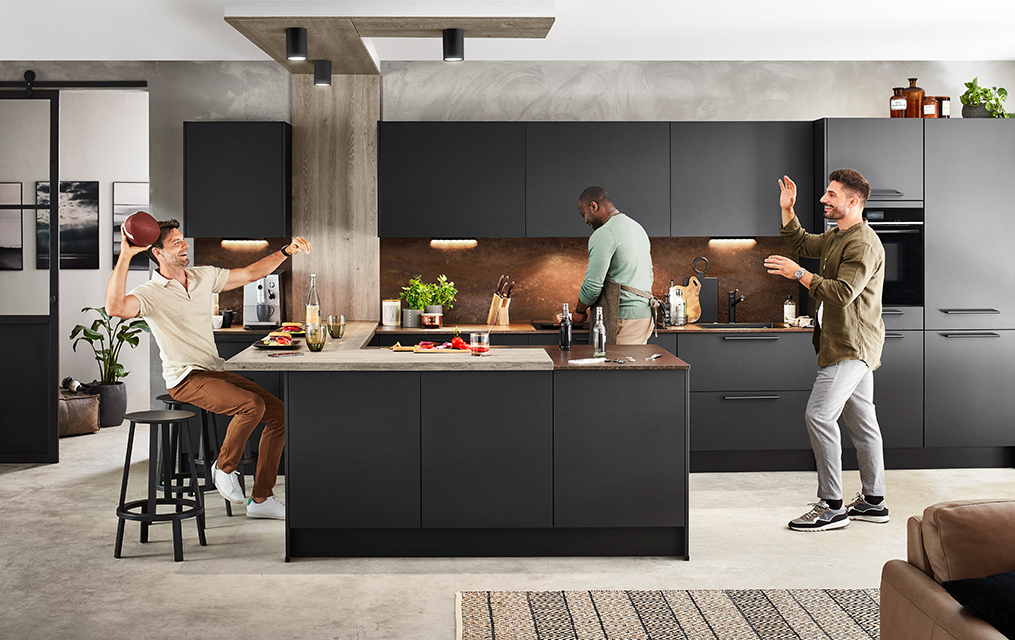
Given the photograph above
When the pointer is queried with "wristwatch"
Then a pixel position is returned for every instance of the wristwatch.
(799, 273)
(284, 252)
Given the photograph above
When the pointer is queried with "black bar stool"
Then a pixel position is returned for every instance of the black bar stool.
(207, 452)
(159, 423)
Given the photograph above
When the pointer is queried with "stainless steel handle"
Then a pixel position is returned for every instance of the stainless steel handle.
(892, 312)
(886, 232)
(971, 312)
(877, 223)
(750, 337)
(886, 193)
(987, 334)
(894, 335)
(750, 397)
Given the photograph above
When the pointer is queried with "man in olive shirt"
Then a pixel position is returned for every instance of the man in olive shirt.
(619, 249)
(848, 338)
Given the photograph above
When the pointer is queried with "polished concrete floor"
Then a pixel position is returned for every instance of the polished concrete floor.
(58, 577)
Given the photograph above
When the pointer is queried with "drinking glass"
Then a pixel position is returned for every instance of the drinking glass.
(479, 344)
(316, 335)
(336, 326)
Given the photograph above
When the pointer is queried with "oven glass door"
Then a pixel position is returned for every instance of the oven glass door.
(903, 262)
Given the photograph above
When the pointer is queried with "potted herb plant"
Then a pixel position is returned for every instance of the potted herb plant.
(106, 340)
(442, 294)
(981, 102)
(416, 296)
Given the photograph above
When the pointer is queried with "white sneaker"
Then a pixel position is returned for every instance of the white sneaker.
(270, 508)
(228, 484)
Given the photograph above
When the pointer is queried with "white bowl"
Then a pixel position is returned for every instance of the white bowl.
(216, 321)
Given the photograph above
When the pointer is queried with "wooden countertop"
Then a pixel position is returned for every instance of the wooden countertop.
(525, 327)
(620, 352)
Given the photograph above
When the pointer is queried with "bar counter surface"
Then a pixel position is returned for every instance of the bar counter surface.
(519, 453)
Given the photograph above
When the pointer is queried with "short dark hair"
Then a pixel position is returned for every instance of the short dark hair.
(597, 194)
(165, 227)
(854, 183)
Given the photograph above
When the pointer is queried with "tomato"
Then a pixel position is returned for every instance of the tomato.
(458, 343)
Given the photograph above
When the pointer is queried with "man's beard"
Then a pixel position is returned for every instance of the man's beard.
(835, 213)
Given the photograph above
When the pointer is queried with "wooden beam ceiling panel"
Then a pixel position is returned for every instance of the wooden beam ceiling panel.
(474, 27)
(334, 39)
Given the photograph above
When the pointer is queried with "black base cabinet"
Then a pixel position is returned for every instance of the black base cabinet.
(898, 392)
(271, 381)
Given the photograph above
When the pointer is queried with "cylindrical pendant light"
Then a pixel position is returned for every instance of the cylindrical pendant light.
(296, 43)
(454, 45)
(322, 73)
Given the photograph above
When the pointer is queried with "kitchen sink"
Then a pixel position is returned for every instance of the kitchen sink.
(737, 325)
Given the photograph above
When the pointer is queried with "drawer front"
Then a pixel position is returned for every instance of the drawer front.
(753, 421)
(901, 318)
(749, 361)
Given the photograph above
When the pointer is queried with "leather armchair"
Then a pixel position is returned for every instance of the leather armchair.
(952, 541)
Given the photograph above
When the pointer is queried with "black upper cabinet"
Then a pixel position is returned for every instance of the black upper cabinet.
(237, 179)
(887, 151)
(631, 160)
(725, 176)
(451, 180)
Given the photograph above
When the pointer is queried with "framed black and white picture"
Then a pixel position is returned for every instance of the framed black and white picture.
(128, 198)
(12, 255)
(79, 225)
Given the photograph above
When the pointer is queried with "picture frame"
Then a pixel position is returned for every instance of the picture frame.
(128, 198)
(79, 225)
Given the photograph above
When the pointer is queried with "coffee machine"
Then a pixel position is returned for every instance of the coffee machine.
(263, 303)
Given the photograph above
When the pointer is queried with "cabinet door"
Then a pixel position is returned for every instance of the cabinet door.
(887, 151)
(365, 443)
(629, 159)
(487, 449)
(749, 361)
(619, 461)
(725, 175)
(237, 179)
(969, 401)
(451, 180)
(749, 421)
(970, 261)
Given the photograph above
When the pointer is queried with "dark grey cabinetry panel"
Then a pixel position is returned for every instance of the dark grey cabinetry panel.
(451, 180)
(887, 151)
(271, 381)
(724, 179)
(367, 440)
(968, 230)
(622, 464)
(749, 361)
(237, 179)
(667, 341)
(748, 421)
(487, 449)
(969, 388)
(628, 159)
(899, 318)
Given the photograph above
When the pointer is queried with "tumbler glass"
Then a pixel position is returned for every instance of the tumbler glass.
(336, 326)
(316, 335)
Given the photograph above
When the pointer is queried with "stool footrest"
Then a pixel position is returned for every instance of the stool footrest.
(191, 509)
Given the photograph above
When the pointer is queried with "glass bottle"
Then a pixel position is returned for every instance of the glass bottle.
(897, 104)
(788, 310)
(565, 330)
(679, 308)
(599, 335)
(313, 303)
(914, 99)
(944, 107)
(930, 107)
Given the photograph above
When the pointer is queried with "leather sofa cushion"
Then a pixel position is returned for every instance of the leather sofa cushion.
(969, 538)
(992, 598)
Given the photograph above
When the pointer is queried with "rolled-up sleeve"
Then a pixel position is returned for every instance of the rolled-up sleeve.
(807, 245)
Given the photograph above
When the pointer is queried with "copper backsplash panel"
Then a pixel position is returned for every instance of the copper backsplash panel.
(549, 271)
(209, 251)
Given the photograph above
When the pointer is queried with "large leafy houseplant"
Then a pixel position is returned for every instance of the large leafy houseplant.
(990, 98)
(107, 339)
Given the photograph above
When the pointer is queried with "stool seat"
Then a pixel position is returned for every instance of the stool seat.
(160, 415)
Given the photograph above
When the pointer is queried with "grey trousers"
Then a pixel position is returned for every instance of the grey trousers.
(847, 389)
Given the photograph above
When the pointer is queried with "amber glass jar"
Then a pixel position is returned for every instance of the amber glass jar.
(944, 107)
(897, 104)
(914, 99)
(930, 107)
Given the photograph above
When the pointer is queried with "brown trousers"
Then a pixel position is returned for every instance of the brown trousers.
(226, 393)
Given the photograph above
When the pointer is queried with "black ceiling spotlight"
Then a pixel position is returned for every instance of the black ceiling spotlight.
(296, 43)
(454, 45)
(322, 73)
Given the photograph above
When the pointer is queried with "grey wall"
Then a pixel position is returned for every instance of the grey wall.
(667, 90)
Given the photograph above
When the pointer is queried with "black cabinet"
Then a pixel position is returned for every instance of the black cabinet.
(359, 452)
(887, 151)
(748, 420)
(237, 179)
(969, 258)
(487, 449)
(969, 388)
(628, 159)
(451, 179)
(724, 179)
(271, 381)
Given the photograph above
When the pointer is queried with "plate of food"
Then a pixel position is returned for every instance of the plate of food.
(278, 340)
(294, 329)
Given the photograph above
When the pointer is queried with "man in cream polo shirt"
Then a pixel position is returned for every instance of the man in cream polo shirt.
(176, 303)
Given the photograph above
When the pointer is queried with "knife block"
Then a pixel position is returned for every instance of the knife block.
(495, 304)
(503, 318)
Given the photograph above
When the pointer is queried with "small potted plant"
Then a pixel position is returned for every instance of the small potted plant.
(107, 339)
(981, 102)
(416, 296)
(442, 294)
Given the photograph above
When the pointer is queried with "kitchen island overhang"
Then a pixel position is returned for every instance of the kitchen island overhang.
(513, 454)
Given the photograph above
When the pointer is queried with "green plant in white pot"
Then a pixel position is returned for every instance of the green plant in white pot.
(106, 340)
(981, 102)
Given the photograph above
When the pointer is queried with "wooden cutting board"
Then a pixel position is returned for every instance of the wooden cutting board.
(691, 303)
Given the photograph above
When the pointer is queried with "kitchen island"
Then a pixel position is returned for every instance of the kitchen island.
(518, 453)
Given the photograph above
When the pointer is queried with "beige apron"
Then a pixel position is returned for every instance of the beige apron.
(609, 300)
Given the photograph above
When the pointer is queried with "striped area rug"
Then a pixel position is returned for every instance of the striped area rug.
(743, 614)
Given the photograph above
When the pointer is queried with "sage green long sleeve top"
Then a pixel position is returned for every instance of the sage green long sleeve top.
(619, 249)
(848, 285)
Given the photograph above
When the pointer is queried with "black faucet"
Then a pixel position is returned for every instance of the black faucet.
(734, 301)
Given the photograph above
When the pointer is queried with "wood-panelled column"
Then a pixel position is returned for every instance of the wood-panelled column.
(335, 193)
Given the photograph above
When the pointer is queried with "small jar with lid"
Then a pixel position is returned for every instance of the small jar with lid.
(930, 107)
(897, 104)
(944, 107)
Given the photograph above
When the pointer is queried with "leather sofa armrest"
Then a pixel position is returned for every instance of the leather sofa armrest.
(914, 606)
(915, 552)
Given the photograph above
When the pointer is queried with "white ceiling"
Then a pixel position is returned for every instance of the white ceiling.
(584, 30)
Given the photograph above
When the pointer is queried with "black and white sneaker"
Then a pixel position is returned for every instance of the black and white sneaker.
(821, 517)
(860, 509)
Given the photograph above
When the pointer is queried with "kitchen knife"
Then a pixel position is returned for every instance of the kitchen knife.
(510, 287)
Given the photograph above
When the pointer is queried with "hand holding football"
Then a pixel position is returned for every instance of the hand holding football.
(141, 229)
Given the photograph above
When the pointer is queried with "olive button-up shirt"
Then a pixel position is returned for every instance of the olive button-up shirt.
(848, 286)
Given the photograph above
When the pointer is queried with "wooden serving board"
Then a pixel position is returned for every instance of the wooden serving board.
(691, 303)
(417, 349)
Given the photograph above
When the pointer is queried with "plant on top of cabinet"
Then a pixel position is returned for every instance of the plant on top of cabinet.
(989, 101)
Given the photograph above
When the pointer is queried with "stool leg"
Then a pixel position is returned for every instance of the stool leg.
(123, 493)
(198, 494)
(177, 541)
(153, 460)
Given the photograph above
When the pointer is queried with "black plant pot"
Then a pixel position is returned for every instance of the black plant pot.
(112, 403)
(975, 111)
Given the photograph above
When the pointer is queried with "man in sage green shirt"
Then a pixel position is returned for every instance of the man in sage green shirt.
(848, 338)
(619, 249)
